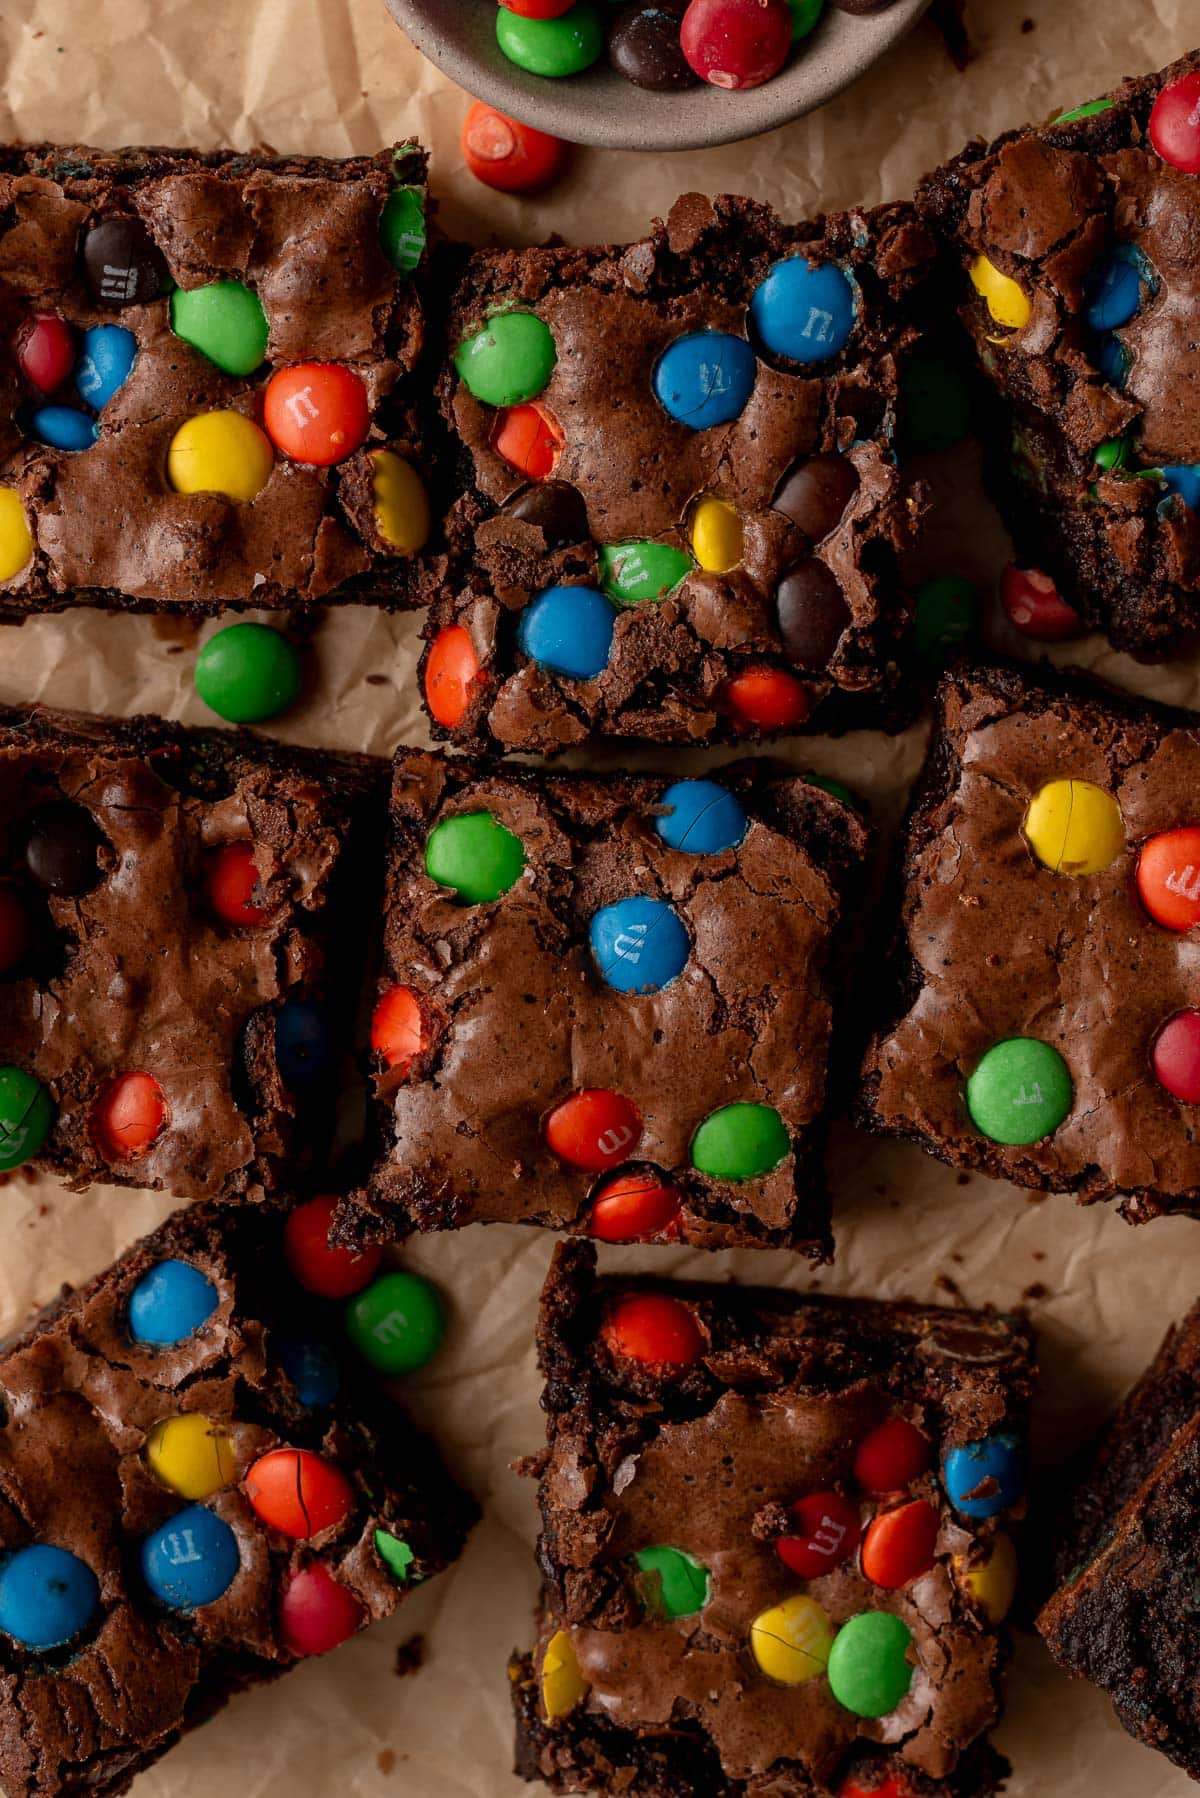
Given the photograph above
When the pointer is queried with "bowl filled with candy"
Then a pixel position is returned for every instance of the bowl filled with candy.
(655, 74)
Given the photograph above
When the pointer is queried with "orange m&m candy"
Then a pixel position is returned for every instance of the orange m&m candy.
(507, 155)
(317, 1612)
(529, 438)
(899, 1545)
(14, 927)
(298, 1493)
(651, 1327)
(450, 668)
(892, 1456)
(397, 1029)
(767, 699)
(594, 1129)
(330, 1273)
(128, 1115)
(1168, 878)
(633, 1208)
(894, 1786)
(231, 876)
(316, 412)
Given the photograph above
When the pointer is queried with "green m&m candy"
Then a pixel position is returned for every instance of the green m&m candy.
(1113, 455)
(674, 1584)
(946, 614)
(395, 1554)
(1020, 1091)
(869, 1671)
(805, 14)
(828, 785)
(632, 572)
(474, 856)
(225, 322)
(563, 46)
(1088, 110)
(740, 1142)
(396, 1323)
(402, 228)
(510, 360)
(248, 672)
(26, 1116)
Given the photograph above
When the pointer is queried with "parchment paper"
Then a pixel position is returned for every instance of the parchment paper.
(335, 76)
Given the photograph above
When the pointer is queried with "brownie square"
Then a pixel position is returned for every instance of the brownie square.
(715, 1455)
(176, 257)
(177, 948)
(1124, 1612)
(643, 996)
(737, 514)
(137, 1415)
(1078, 290)
(1040, 1021)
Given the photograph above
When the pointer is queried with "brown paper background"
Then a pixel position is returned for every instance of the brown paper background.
(334, 76)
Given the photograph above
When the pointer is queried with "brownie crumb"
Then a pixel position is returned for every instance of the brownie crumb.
(410, 1656)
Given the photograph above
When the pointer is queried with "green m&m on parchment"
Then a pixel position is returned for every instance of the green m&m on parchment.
(397, 1323)
(248, 672)
(509, 361)
(475, 856)
(674, 1584)
(26, 1116)
(225, 322)
(740, 1142)
(565, 45)
(1020, 1091)
(632, 572)
(869, 1671)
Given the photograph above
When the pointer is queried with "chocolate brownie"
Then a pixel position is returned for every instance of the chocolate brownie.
(176, 948)
(606, 1004)
(1076, 241)
(775, 1540)
(197, 1487)
(1124, 1613)
(681, 505)
(1041, 1026)
(217, 349)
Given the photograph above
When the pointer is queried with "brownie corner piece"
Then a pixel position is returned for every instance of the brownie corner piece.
(178, 949)
(611, 991)
(736, 1480)
(1038, 1019)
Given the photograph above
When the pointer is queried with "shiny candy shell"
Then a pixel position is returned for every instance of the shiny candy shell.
(1074, 827)
(302, 1047)
(767, 699)
(507, 155)
(946, 614)
(633, 572)
(986, 1477)
(1005, 301)
(991, 1582)
(475, 856)
(740, 1142)
(45, 350)
(736, 44)
(568, 630)
(634, 1208)
(298, 1493)
(109, 353)
(451, 669)
(16, 538)
(317, 412)
(26, 1116)
(398, 1324)
(639, 945)
(225, 321)
(826, 1531)
(529, 439)
(330, 1273)
(791, 1642)
(891, 1456)
(64, 428)
(122, 264)
(1113, 292)
(220, 452)
(705, 378)
(869, 1671)
(230, 879)
(48, 1596)
(61, 848)
(316, 1612)
(247, 673)
(900, 1544)
(717, 535)
(701, 817)
(128, 1116)
(312, 1368)
(509, 361)
(1168, 878)
(804, 311)
(402, 515)
(398, 1028)
(674, 1584)
(170, 1303)
(1020, 1091)
(402, 228)
(190, 1560)
(653, 1328)
(191, 1455)
(1175, 124)
(553, 47)
(594, 1129)
(563, 1685)
(1034, 606)
(1183, 480)
(1176, 1057)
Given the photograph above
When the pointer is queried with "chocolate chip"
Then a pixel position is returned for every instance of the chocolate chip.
(645, 48)
(61, 848)
(812, 613)
(122, 264)
(556, 508)
(815, 493)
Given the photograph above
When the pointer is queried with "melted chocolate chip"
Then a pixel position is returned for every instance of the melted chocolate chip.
(812, 613)
(815, 493)
(61, 848)
(645, 48)
(122, 264)
(556, 508)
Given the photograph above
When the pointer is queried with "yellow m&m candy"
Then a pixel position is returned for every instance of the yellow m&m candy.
(563, 1685)
(220, 452)
(991, 1583)
(1074, 827)
(191, 1455)
(401, 503)
(791, 1641)
(16, 538)
(1005, 300)
(717, 536)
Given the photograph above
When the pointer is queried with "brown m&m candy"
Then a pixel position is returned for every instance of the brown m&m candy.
(646, 49)
(812, 613)
(61, 848)
(556, 509)
(122, 264)
(814, 494)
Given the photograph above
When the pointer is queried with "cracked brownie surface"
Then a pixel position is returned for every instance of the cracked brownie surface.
(771, 1401)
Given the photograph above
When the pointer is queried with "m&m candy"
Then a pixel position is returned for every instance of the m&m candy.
(401, 504)
(1034, 606)
(397, 1324)
(45, 351)
(740, 1142)
(594, 1129)
(398, 1028)
(190, 1560)
(247, 673)
(330, 1273)
(1004, 299)
(529, 438)
(891, 1456)
(633, 572)
(402, 228)
(109, 353)
(316, 412)
(639, 945)
(736, 43)
(129, 1114)
(804, 311)
(312, 1368)
(122, 264)
(557, 510)
(302, 1047)
(812, 613)
(509, 361)
(1074, 827)
(717, 535)
(653, 1328)
(991, 1582)
(475, 856)
(225, 321)
(1020, 1091)
(674, 1584)
(47, 1596)
(1175, 124)
(1168, 877)
(507, 155)
(170, 1303)
(26, 1116)
(701, 817)
(1113, 292)
(64, 428)
(451, 669)
(634, 1208)
(15, 928)
(1088, 110)
(644, 46)
(815, 492)
(767, 699)
(894, 1786)
(869, 1670)
(568, 630)
(899, 1545)
(791, 1642)
(191, 1455)
(1176, 1057)
(538, 9)
(298, 1493)
(395, 1554)
(220, 452)
(16, 538)
(984, 1478)
(826, 1531)
(563, 1685)
(946, 613)
(316, 1612)
(1183, 480)
(230, 878)
(705, 378)
(564, 44)
(61, 848)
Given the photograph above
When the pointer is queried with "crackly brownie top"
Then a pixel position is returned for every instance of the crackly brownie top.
(612, 984)
(1046, 1027)
(163, 932)
(777, 1518)
(211, 348)
(699, 428)
(187, 1455)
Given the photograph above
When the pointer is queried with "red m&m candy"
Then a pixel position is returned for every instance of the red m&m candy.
(894, 1786)
(538, 9)
(1176, 1057)
(899, 1545)
(397, 1027)
(45, 349)
(1034, 606)
(14, 927)
(651, 1327)
(1168, 878)
(231, 877)
(450, 668)
(633, 1208)
(316, 412)
(316, 1613)
(1175, 124)
(298, 1493)
(828, 1529)
(507, 155)
(594, 1129)
(330, 1273)
(892, 1456)
(529, 438)
(128, 1115)
(767, 699)
(736, 43)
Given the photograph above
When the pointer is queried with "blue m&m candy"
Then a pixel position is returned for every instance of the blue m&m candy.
(1113, 292)
(705, 378)
(1184, 479)
(985, 1477)
(47, 1596)
(1112, 358)
(569, 630)
(170, 1303)
(804, 310)
(704, 818)
(301, 1043)
(64, 427)
(640, 945)
(191, 1559)
(108, 356)
(312, 1368)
